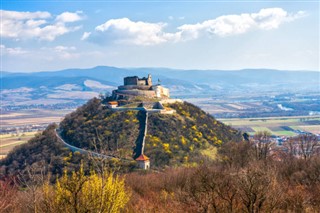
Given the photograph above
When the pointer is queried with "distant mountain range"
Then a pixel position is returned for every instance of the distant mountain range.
(103, 79)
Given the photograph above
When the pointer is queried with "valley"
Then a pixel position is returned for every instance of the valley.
(241, 99)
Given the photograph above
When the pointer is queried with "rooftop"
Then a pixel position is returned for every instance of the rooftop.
(142, 157)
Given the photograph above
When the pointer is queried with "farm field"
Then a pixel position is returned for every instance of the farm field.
(279, 126)
(9, 141)
(31, 117)
(18, 127)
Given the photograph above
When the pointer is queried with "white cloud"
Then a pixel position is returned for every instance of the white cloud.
(143, 33)
(69, 17)
(265, 19)
(64, 48)
(85, 35)
(129, 32)
(24, 15)
(38, 25)
(14, 51)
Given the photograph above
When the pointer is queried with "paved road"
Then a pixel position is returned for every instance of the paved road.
(141, 138)
(83, 151)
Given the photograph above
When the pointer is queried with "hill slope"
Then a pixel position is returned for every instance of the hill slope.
(44, 151)
(172, 140)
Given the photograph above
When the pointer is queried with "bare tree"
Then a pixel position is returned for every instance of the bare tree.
(263, 144)
(32, 179)
(101, 165)
(253, 186)
(304, 146)
(8, 193)
(227, 191)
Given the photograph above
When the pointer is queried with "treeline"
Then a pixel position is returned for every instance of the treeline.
(245, 177)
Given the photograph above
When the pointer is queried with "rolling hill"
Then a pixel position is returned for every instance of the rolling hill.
(83, 84)
(186, 137)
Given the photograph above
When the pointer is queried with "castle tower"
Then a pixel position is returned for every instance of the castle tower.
(149, 80)
(143, 162)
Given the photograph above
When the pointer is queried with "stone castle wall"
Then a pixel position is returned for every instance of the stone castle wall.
(135, 80)
(148, 93)
(161, 91)
(131, 80)
(132, 87)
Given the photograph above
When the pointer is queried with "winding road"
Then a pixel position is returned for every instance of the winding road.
(140, 144)
(83, 151)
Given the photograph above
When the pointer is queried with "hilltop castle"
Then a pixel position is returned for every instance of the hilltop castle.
(135, 86)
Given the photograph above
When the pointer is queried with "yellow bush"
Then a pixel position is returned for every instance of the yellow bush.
(166, 147)
(94, 193)
(183, 140)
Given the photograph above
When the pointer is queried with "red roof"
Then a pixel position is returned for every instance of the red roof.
(142, 158)
(113, 102)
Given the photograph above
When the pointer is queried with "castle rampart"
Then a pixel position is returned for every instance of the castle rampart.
(135, 80)
(135, 86)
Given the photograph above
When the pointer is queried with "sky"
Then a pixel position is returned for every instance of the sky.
(225, 35)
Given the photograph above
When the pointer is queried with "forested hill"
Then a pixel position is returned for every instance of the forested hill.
(171, 139)
(186, 137)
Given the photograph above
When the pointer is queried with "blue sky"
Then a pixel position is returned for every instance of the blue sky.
(53, 35)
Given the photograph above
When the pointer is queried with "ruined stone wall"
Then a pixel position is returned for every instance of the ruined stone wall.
(137, 81)
(148, 93)
(134, 87)
(142, 82)
(131, 80)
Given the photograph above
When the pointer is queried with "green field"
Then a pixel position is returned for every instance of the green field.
(280, 126)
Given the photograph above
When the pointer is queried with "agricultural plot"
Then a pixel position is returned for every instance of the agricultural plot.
(9, 141)
(18, 128)
(31, 117)
(315, 129)
(279, 126)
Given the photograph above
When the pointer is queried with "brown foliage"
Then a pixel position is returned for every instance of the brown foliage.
(8, 192)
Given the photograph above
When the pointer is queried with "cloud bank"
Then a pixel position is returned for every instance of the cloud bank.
(129, 32)
(37, 25)
(126, 31)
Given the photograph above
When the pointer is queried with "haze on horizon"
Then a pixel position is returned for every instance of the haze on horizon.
(46, 36)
